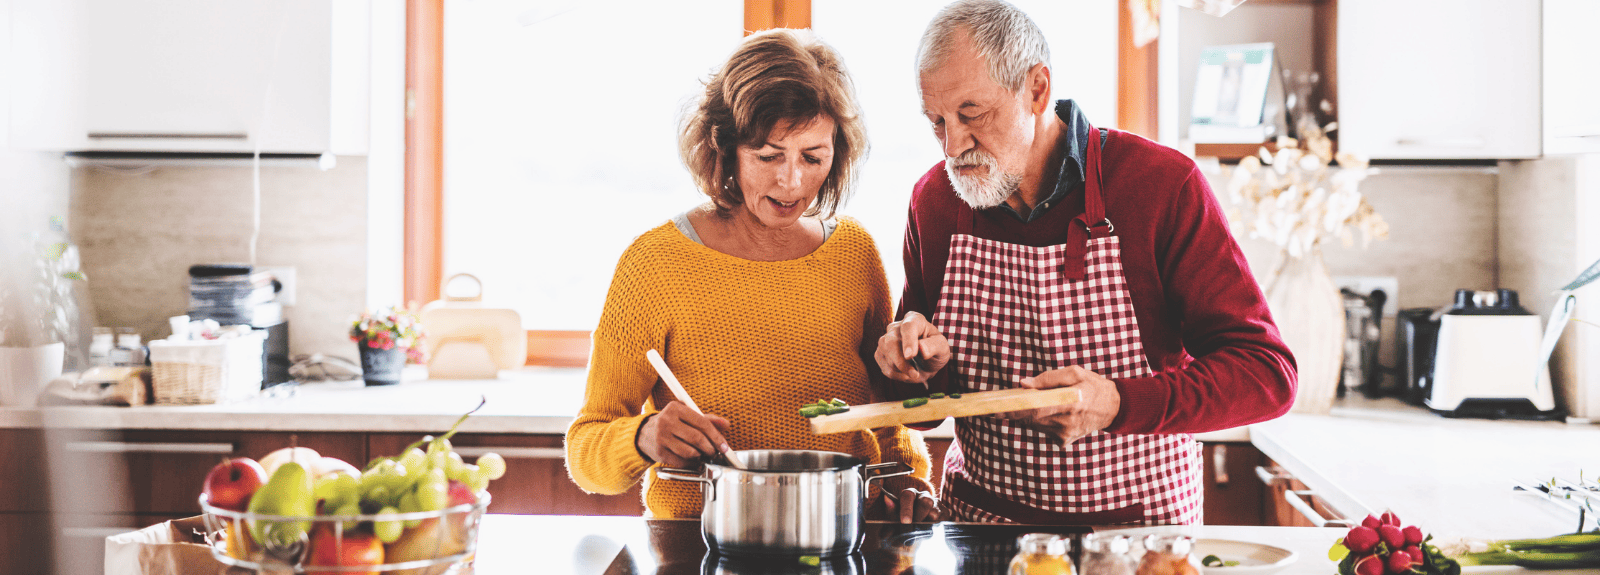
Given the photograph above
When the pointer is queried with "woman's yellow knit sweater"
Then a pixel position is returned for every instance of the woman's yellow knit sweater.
(750, 341)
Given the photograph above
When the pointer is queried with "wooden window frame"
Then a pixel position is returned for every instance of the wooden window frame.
(423, 258)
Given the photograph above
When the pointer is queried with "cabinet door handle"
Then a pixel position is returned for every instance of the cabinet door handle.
(133, 447)
(1472, 143)
(1219, 463)
(169, 135)
(1270, 478)
(515, 452)
(1295, 501)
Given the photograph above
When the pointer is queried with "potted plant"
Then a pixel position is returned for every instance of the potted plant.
(387, 339)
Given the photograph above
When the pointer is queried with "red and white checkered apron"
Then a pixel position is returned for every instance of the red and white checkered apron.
(1013, 311)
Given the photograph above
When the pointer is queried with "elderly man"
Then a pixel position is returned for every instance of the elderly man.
(1046, 253)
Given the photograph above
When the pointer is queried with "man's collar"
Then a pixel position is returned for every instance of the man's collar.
(1075, 128)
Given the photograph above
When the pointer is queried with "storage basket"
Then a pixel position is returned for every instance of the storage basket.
(206, 371)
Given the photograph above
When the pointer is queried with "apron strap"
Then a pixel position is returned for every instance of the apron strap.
(1092, 224)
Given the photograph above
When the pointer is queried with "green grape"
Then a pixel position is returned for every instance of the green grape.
(440, 445)
(387, 530)
(454, 466)
(414, 460)
(336, 488)
(479, 475)
(408, 504)
(379, 495)
(433, 492)
(477, 482)
(493, 464)
(350, 508)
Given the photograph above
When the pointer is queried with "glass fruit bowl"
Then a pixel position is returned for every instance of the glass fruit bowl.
(428, 543)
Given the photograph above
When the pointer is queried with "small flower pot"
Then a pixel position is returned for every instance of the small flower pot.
(381, 366)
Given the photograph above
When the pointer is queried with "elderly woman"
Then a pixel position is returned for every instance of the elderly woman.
(759, 301)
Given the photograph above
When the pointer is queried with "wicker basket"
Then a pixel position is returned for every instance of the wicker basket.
(208, 371)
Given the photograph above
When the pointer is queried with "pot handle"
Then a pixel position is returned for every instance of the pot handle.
(690, 475)
(882, 466)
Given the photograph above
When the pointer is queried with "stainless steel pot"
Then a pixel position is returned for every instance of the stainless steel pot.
(786, 502)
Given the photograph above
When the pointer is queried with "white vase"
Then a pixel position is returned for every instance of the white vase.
(24, 371)
(1306, 305)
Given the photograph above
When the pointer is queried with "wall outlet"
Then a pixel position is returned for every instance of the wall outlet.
(1365, 284)
(285, 276)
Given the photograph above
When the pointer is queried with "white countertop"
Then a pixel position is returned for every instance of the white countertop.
(530, 400)
(533, 400)
(1448, 476)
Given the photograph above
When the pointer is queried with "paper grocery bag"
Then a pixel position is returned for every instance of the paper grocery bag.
(174, 547)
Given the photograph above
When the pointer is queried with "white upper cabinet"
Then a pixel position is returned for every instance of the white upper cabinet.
(289, 76)
(1571, 76)
(1441, 79)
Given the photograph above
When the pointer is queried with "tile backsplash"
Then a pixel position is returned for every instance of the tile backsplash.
(140, 229)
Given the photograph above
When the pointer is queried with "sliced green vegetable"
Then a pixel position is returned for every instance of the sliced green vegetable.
(936, 395)
(955, 395)
(914, 402)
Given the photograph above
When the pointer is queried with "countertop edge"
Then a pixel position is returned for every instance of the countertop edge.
(1335, 496)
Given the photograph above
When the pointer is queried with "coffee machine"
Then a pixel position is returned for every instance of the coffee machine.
(1487, 360)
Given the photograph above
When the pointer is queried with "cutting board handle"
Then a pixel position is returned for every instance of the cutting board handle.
(444, 288)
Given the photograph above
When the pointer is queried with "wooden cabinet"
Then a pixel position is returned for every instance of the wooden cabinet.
(104, 482)
(1233, 493)
(1421, 79)
(190, 75)
(1290, 503)
(536, 481)
(160, 471)
(25, 542)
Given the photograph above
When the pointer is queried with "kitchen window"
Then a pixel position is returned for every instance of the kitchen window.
(561, 124)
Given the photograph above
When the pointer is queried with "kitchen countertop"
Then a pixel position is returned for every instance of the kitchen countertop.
(1448, 476)
(589, 545)
(530, 400)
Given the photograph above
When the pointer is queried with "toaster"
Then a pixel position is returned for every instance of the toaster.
(1487, 360)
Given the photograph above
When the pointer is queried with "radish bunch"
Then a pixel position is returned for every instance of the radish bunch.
(1383, 546)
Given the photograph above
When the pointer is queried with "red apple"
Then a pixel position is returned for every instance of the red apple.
(354, 549)
(230, 484)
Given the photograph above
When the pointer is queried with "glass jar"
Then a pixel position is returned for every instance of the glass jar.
(1041, 554)
(1168, 554)
(1108, 554)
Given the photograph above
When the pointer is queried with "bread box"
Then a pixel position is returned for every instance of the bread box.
(469, 341)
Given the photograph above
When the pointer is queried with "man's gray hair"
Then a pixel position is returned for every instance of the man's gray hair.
(1004, 35)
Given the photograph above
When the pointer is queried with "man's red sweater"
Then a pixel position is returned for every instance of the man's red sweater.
(1217, 356)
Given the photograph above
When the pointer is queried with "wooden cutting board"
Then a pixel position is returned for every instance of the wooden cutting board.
(875, 415)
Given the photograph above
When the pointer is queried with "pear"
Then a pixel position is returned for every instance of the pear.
(287, 493)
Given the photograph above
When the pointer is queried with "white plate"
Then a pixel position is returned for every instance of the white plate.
(1253, 558)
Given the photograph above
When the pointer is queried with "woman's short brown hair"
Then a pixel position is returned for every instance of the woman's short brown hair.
(775, 75)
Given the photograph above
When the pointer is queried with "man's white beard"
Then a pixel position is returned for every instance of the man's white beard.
(985, 191)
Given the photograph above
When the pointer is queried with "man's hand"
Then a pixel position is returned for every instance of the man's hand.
(912, 338)
(677, 436)
(1095, 410)
(924, 507)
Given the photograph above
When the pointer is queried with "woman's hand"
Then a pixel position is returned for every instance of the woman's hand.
(912, 338)
(676, 436)
(923, 507)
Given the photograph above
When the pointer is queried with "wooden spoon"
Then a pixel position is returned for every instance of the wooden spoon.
(683, 396)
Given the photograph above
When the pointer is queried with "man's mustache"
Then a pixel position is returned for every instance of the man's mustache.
(970, 158)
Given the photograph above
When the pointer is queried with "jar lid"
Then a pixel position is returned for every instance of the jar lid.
(1042, 543)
